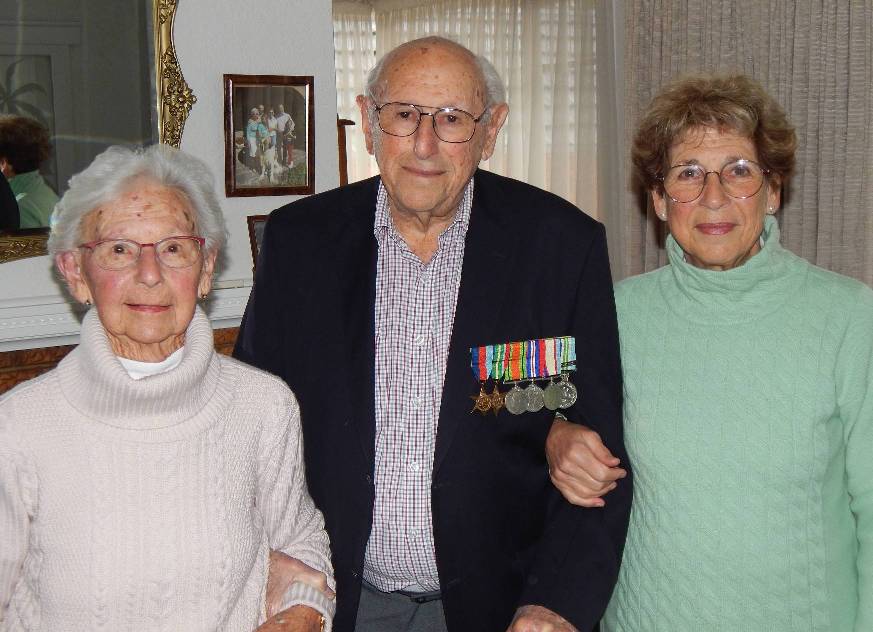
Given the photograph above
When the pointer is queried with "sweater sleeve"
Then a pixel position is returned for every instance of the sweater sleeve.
(854, 374)
(293, 523)
(17, 508)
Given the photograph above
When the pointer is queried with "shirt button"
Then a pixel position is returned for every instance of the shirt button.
(414, 466)
(417, 401)
(419, 339)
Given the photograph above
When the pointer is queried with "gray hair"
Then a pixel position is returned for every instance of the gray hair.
(109, 175)
(495, 92)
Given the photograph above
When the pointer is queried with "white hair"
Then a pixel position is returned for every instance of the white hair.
(113, 171)
(495, 92)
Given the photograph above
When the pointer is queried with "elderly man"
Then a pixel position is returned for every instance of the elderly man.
(367, 301)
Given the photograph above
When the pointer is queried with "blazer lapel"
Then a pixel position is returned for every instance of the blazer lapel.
(355, 248)
(483, 291)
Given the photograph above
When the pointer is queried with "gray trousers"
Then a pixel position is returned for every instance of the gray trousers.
(393, 612)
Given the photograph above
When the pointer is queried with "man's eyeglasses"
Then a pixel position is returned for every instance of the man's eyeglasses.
(451, 125)
(180, 251)
(739, 179)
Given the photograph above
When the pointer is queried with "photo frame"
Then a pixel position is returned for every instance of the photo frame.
(269, 128)
(256, 235)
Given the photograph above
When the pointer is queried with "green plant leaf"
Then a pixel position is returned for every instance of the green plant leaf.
(34, 111)
(10, 71)
(28, 87)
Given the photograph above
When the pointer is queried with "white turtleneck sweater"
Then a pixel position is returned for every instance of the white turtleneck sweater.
(151, 504)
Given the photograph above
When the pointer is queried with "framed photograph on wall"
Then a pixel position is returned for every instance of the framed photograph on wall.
(269, 126)
(256, 235)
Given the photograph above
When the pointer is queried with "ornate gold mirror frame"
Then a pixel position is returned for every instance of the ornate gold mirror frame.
(174, 102)
(175, 98)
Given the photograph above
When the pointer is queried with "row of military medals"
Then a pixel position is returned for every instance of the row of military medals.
(530, 361)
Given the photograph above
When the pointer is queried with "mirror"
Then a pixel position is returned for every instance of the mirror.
(95, 73)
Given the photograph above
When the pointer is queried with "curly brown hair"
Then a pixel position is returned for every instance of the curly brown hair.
(733, 103)
(24, 142)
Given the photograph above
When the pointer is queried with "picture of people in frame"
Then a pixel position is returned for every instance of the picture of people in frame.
(271, 149)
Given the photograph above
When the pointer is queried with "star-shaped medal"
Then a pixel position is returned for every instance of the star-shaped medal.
(497, 399)
(482, 401)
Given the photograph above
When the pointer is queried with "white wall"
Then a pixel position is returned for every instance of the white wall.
(290, 37)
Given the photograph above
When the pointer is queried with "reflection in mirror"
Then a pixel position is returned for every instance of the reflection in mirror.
(82, 69)
(85, 69)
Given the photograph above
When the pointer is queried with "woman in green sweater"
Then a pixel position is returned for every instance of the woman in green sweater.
(748, 393)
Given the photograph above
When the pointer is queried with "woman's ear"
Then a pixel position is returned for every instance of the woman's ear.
(774, 194)
(659, 202)
(69, 264)
(206, 272)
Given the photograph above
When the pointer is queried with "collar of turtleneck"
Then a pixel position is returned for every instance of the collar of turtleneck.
(748, 292)
(94, 382)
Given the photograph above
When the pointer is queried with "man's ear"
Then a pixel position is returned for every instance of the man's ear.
(69, 264)
(499, 113)
(363, 102)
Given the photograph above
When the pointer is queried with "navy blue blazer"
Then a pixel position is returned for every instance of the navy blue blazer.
(534, 266)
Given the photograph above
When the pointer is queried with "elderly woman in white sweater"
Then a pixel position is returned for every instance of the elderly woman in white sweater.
(145, 480)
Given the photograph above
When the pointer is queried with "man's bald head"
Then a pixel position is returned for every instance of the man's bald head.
(492, 89)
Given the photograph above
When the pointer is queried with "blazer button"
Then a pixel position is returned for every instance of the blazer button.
(369, 479)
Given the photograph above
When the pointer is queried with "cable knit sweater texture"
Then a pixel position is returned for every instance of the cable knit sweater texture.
(749, 423)
(151, 504)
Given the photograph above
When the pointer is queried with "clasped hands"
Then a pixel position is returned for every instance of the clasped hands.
(580, 465)
(284, 571)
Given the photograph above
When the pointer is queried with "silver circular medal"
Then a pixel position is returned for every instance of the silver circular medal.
(516, 400)
(535, 400)
(569, 393)
(552, 396)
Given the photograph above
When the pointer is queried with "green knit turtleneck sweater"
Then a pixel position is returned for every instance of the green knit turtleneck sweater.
(749, 424)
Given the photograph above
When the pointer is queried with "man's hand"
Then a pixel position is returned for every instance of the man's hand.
(294, 619)
(539, 619)
(284, 571)
(580, 466)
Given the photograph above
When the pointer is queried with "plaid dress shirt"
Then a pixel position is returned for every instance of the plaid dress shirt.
(414, 314)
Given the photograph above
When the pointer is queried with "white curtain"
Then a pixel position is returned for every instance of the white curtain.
(544, 51)
(354, 41)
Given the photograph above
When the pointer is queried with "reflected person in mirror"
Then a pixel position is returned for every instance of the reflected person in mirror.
(748, 378)
(24, 147)
(8, 206)
(146, 479)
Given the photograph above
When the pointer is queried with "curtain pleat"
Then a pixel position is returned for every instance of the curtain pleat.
(814, 57)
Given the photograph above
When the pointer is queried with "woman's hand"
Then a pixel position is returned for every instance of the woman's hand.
(284, 571)
(294, 619)
(580, 466)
